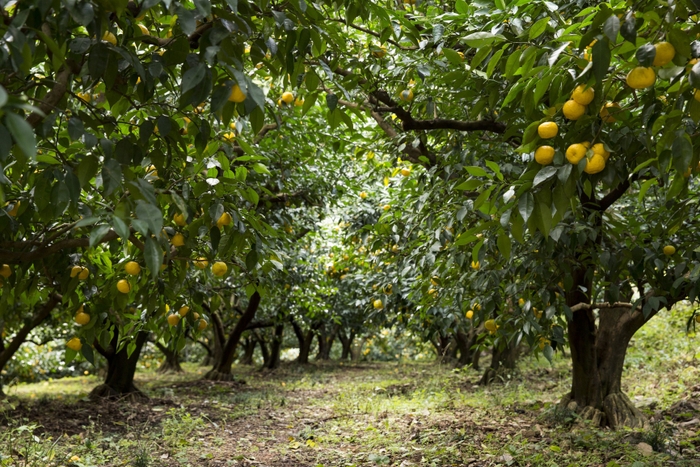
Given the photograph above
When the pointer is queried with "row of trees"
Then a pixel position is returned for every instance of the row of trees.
(483, 173)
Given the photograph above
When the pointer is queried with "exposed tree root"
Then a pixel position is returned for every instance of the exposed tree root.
(104, 391)
(620, 412)
(215, 375)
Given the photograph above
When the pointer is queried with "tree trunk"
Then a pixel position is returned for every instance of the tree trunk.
(9, 350)
(222, 369)
(276, 348)
(325, 343)
(248, 351)
(346, 341)
(305, 340)
(501, 357)
(443, 347)
(263, 348)
(464, 342)
(171, 364)
(119, 383)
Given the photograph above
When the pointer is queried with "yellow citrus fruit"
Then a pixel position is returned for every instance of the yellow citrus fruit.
(573, 110)
(202, 325)
(229, 137)
(608, 111)
(386, 207)
(180, 219)
(548, 130)
(405, 172)
(432, 291)
(82, 318)
(477, 307)
(177, 240)
(74, 344)
(470, 314)
(406, 95)
(664, 53)
(6, 271)
(521, 301)
(224, 220)
(599, 148)
(575, 153)
(475, 265)
(490, 325)
(544, 155)
(201, 263)
(237, 94)
(697, 319)
(595, 164)
(363, 195)
(669, 250)
(84, 273)
(287, 97)
(299, 101)
(379, 52)
(583, 95)
(184, 310)
(696, 95)
(219, 268)
(641, 77)
(15, 210)
(109, 37)
(377, 304)
(132, 268)
(123, 286)
(173, 319)
(144, 30)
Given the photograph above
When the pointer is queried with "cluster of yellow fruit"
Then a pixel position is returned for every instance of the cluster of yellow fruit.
(643, 77)
(491, 326)
(174, 318)
(219, 268)
(288, 98)
(543, 342)
(81, 317)
(80, 271)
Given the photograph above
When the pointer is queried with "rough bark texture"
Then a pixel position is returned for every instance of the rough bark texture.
(346, 340)
(222, 370)
(248, 351)
(444, 347)
(119, 382)
(325, 342)
(264, 350)
(305, 340)
(276, 348)
(8, 351)
(464, 342)
(500, 358)
(171, 364)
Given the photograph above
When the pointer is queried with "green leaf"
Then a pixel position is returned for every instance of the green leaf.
(544, 174)
(645, 55)
(481, 39)
(601, 59)
(504, 245)
(98, 234)
(628, 29)
(476, 171)
(682, 150)
(539, 27)
(548, 353)
(22, 133)
(469, 185)
(193, 77)
(87, 169)
(153, 255)
(645, 187)
(151, 215)
(526, 204)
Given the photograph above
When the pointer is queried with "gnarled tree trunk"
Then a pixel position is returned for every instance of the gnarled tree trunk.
(444, 346)
(119, 382)
(305, 340)
(325, 342)
(500, 358)
(222, 369)
(464, 342)
(276, 348)
(346, 340)
(171, 364)
(264, 350)
(248, 350)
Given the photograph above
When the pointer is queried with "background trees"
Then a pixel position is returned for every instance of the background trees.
(173, 167)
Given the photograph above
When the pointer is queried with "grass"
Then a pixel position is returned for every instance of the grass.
(368, 414)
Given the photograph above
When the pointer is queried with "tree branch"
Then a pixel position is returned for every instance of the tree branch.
(16, 257)
(52, 97)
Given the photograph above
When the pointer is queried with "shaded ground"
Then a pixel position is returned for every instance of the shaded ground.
(332, 414)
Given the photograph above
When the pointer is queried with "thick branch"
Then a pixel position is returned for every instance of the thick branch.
(52, 97)
(600, 306)
(165, 42)
(22, 334)
(616, 193)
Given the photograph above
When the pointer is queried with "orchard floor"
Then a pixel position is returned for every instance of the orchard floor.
(366, 414)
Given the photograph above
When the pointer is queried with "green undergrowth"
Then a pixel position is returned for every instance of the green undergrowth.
(366, 414)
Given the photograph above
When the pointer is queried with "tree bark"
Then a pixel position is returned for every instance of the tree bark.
(443, 347)
(501, 357)
(464, 342)
(346, 341)
(263, 348)
(325, 343)
(9, 350)
(119, 382)
(276, 348)
(248, 350)
(305, 340)
(171, 364)
(222, 369)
